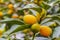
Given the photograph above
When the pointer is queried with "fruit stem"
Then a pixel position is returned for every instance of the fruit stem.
(33, 36)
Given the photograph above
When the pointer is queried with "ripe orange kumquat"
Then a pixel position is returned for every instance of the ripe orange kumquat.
(10, 6)
(29, 19)
(45, 31)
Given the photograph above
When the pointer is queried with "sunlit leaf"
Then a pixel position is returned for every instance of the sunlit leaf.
(16, 28)
(13, 21)
(2, 39)
(56, 33)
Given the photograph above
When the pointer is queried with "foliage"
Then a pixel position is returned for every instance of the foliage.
(47, 13)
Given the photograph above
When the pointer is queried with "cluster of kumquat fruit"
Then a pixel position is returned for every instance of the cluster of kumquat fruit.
(36, 27)
(30, 19)
(10, 11)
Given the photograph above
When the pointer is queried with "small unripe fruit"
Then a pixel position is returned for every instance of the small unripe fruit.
(14, 16)
(26, 30)
(20, 17)
(35, 27)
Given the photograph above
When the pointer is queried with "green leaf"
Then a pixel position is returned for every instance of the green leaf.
(2, 25)
(56, 33)
(56, 38)
(46, 6)
(46, 20)
(33, 12)
(30, 6)
(42, 38)
(16, 28)
(57, 21)
(37, 9)
(48, 23)
(20, 12)
(12, 21)
(2, 39)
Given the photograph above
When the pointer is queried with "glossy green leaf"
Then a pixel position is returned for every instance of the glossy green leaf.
(56, 33)
(15, 28)
(12, 21)
(2, 39)
(48, 23)
(46, 20)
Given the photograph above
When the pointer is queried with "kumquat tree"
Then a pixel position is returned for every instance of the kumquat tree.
(29, 19)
